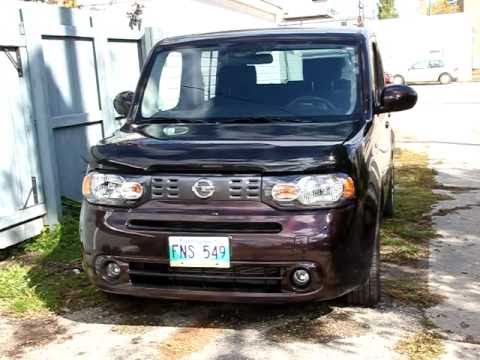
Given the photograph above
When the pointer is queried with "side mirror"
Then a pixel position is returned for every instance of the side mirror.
(397, 98)
(123, 102)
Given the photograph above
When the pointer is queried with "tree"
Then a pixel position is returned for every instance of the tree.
(445, 7)
(386, 9)
(64, 3)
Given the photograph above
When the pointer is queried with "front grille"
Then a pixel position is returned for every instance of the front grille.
(165, 188)
(226, 187)
(244, 188)
(206, 227)
(249, 278)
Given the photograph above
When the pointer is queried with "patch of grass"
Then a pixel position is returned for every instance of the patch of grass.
(15, 293)
(424, 345)
(405, 236)
(411, 291)
(45, 273)
(60, 243)
(405, 242)
(398, 250)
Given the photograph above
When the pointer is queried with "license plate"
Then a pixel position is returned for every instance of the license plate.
(199, 251)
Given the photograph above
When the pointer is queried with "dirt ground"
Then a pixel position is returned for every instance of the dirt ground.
(445, 125)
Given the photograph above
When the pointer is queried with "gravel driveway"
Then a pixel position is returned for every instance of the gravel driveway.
(446, 125)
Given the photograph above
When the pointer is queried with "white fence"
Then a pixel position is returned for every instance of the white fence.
(60, 70)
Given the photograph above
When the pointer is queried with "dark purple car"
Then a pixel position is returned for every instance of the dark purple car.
(253, 166)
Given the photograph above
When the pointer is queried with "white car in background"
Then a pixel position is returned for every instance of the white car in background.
(427, 71)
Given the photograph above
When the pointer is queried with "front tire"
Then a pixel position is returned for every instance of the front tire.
(445, 79)
(368, 294)
(398, 80)
(389, 209)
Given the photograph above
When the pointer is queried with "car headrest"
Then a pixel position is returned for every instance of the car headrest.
(236, 79)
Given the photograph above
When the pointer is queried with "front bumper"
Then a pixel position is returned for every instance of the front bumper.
(333, 244)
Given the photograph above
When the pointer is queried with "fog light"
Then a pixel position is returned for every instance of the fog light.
(301, 277)
(113, 270)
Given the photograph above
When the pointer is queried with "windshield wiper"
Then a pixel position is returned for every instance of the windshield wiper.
(239, 120)
(221, 120)
(260, 120)
(174, 120)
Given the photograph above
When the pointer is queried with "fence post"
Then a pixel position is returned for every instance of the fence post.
(150, 38)
(46, 141)
(102, 55)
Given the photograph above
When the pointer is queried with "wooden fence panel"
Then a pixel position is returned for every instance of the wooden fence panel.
(60, 70)
(21, 197)
(74, 105)
(80, 81)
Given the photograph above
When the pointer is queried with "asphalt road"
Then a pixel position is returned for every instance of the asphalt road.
(445, 124)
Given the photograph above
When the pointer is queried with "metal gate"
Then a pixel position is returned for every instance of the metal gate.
(60, 69)
(21, 198)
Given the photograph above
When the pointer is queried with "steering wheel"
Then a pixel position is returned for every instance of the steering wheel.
(310, 104)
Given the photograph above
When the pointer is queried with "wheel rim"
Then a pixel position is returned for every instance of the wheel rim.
(398, 80)
(445, 79)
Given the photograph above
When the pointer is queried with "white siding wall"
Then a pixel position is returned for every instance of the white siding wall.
(182, 17)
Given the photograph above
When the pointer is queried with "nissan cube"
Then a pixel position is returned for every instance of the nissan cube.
(253, 166)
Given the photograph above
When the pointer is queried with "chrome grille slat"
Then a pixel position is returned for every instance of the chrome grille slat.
(241, 188)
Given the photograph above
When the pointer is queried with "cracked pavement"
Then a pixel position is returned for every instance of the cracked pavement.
(445, 125)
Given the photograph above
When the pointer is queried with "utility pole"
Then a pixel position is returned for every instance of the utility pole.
(429, 11)
(361, 14)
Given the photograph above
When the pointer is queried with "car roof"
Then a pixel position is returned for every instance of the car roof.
(278, 32)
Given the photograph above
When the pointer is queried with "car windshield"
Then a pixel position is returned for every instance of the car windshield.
(257, 81)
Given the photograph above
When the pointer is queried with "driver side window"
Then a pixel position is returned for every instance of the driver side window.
(419, 65)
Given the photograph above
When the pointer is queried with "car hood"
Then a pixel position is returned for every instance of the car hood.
(171, 151)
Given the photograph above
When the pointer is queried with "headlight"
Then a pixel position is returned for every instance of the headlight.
(109, 189)
(308, 191)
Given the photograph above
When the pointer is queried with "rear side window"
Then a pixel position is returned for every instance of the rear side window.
(209, 66)
(285, 66)
(436, 64)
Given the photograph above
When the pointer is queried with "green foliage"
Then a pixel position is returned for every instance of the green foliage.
(16, 294)
(59, 243)
(45, 275)
(386, 9)
(443, 7)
